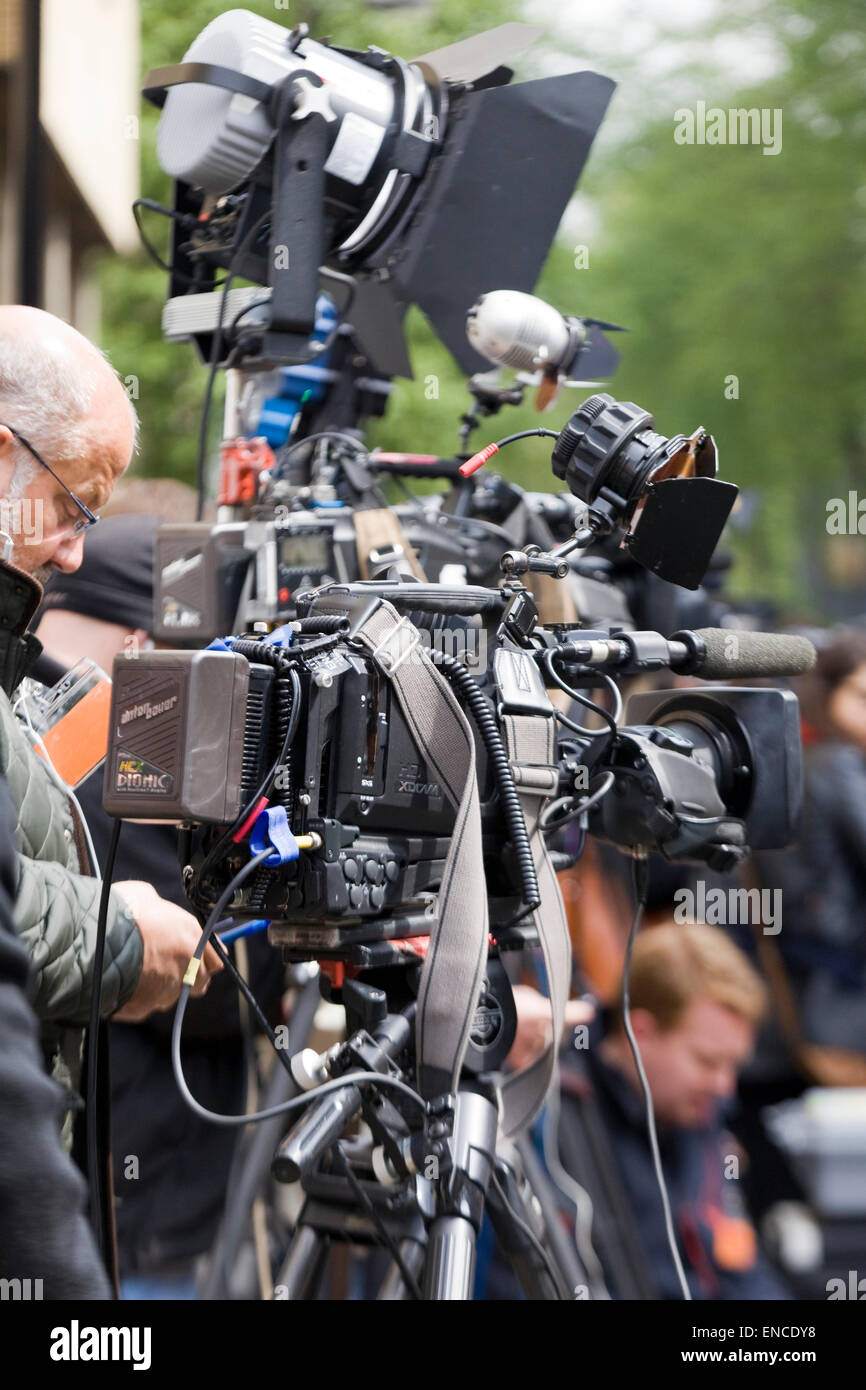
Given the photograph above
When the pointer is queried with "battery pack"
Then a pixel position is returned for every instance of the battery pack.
(176, 736)
(199, 571)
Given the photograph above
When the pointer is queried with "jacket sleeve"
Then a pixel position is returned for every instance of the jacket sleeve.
(43, 1235)
(57, 908)
(56, 913)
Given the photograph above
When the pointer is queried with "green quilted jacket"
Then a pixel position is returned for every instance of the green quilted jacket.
(57, 901)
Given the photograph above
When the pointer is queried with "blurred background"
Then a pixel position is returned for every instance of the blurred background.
(739, 274)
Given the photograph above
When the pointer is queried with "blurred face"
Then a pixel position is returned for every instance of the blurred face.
(847, 707)
(693, 1067)
(41, 521)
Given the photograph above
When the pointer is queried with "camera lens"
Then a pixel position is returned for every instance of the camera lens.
(612, 445)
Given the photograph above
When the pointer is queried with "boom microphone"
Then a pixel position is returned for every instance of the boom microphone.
(724, 654)
(713, 653)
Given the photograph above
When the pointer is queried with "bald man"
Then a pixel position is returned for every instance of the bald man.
(67, 434)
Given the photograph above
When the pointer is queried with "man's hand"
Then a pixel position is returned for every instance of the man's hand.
(170, 935)
(534, 1026)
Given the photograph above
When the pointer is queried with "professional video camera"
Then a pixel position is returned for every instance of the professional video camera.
(307, 719)
(386, 809)
(314, 512)
(382, 778)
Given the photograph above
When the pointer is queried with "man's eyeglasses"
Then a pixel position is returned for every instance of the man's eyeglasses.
(87, 518)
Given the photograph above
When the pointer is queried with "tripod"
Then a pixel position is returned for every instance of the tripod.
(421, 1192)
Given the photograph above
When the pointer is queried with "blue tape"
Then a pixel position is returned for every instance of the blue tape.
(272, 828)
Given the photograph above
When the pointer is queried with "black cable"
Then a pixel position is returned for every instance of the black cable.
(238, 246)
(547, 661)
(349, 1079)
(225, 956)
(324, 623)
(201, 457)
(247, 309)
(524, 434)
(640, 871)
(385, 1235)
(283, 792)
(293, 445)
(550, 822)
(94, 1165)
(145, 240)
(182, 218)
(486, 723)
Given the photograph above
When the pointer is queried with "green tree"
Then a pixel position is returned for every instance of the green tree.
(728, 263)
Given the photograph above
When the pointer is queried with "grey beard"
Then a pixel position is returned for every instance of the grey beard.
(43, 573)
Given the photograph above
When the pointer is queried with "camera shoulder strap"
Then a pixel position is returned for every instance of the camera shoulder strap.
(454, 968)
(531, 742)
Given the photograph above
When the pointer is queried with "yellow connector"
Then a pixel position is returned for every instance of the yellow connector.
(191, 971)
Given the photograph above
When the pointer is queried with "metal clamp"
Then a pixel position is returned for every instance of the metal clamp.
(386, 555)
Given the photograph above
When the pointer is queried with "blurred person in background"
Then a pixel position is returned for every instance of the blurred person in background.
(695, 1005)
(823, 879)
(171, 1168)
(814, 959)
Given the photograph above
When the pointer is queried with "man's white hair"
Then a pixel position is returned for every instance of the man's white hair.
(48, 405)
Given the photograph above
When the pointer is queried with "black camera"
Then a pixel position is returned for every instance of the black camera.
(307, 720)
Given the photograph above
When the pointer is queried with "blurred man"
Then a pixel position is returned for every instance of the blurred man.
(695, 1005)
(67, 432)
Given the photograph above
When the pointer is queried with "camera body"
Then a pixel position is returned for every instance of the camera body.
(701, 775)
(213, 579)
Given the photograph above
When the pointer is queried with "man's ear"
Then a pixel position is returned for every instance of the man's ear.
(7, 460)
(645, 1025)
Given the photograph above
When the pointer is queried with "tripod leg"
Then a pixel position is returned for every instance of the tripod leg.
(515, 1224)
(255, 1161)
(303, 1266)
(569, 1266)
(393, 1285)
(450, 1266)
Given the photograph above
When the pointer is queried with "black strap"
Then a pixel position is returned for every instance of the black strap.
(158, 81)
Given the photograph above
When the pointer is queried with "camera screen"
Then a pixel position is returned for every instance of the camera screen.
(306, 551)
